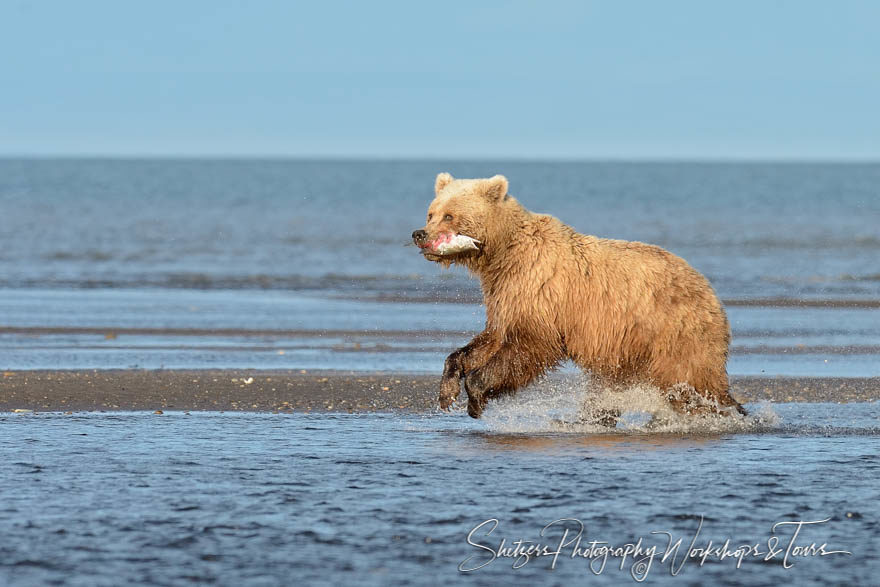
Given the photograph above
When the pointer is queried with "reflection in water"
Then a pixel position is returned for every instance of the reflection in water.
(603, 442)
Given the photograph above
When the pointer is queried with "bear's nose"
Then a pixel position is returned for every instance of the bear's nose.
(419, 236)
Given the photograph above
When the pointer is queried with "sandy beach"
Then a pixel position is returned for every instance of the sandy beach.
(267, 391)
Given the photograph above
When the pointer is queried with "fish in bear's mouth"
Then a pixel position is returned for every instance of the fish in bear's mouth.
(449, 244)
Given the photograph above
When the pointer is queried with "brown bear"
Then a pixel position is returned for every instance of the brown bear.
(627, 312)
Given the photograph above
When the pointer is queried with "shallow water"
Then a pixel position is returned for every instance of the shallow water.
(261, 499)
(152, 329)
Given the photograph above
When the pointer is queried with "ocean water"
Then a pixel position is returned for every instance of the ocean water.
(793, 230)
(285, 263)
(380, 499)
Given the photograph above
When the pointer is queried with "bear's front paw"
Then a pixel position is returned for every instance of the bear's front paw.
(476, 405)
(449, 390)
(475, 388)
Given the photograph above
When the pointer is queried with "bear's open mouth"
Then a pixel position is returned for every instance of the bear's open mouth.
(449, 244)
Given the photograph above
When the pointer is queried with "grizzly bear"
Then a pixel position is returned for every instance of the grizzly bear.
(627, 312)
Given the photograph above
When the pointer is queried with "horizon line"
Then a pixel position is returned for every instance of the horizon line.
(434, 158)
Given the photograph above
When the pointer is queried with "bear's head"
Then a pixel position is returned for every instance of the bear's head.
(466, 207)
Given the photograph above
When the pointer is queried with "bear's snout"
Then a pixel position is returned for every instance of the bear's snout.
(420, 237)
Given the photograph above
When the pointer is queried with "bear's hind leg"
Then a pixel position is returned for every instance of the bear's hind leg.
(695, 387)
(726, 400)
(684, 399)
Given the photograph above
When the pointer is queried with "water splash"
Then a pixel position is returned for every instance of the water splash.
(575, 404)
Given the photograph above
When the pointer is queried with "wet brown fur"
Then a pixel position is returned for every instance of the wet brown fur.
(626, 311)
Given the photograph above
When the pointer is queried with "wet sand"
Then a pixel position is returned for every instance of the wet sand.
(249, 390)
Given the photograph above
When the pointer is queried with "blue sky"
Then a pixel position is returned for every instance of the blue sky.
(618, 79)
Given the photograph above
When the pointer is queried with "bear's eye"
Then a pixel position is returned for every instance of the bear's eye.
(448, 218)
(430, 216)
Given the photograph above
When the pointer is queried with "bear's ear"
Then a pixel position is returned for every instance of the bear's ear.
(443, 180)
(495, 188)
